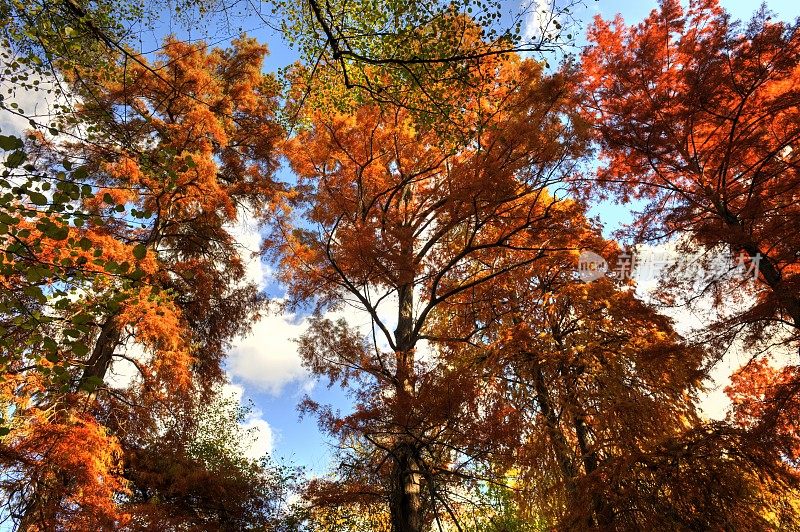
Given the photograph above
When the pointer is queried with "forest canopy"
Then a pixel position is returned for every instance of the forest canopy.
(429, 182)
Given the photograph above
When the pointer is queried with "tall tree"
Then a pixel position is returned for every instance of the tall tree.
(699, 117)
(400, 220)
(169, 156)
(605, 394)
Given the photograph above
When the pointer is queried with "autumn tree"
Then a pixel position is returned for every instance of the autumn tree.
(379, 48)
(192, 467)
(755, 389)
(400, 220)
(169, 156)
(605, 393)
(765, 406)
(698, 117)
(390, 50)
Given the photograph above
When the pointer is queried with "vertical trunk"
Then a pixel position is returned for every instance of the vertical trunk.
(39, 510)
(405, 499)
(103, 352)
(589, 457)
(561, 447)
(602, 513)
(559, 441)
(769, 273)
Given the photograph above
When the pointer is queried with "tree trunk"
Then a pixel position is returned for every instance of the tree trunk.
(602, 513)
(405, 500)
(36, 512)
(103, 352)
(773, 278)
(559, 441)
(769, 273)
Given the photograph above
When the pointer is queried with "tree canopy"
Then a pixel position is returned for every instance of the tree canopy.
(420, 164)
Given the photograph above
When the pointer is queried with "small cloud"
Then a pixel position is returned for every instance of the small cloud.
(267, 358)
(123, 372)
(540, 19)
(248, 237)
(233, 391)
(263, 438)
(37, 102)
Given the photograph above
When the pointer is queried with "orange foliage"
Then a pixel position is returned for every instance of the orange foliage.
(767, 400)
(68, 468)
(700, 118)
(174, 152)
(697, 117)
(404, 215)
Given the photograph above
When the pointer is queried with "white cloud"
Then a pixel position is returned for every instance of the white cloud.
(233, 391)
(691, 319)
(245, 232)
(37, 102)
(263, 440)
(122, 372)
(540, 19)
(267, 358)
(30, 103)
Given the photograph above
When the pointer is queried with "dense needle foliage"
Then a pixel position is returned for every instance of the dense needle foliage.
(439, 182)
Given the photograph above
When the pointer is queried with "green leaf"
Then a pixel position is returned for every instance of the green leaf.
(57, 233)
(80, 349)
(82, 318)
(139, 251)
(37, 198)
(34, 274)
(15, 159)
(35, 292)
(10, 142)
(80, 173)
(91, 383)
